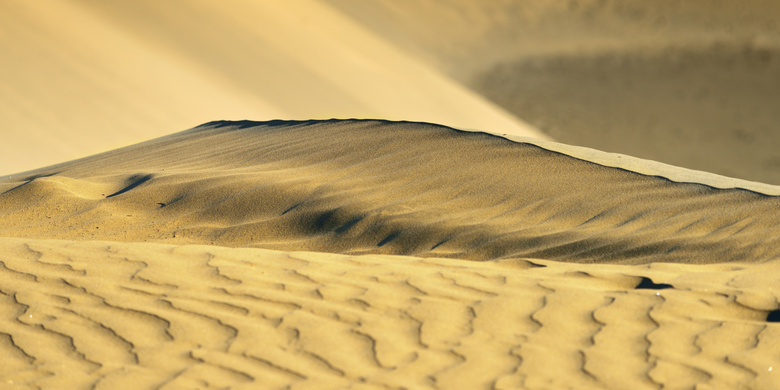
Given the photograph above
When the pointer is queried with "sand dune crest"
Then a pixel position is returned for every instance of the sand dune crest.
(128, 315)
(401, 188)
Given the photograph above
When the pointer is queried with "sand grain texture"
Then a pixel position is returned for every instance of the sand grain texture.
(376, 254)
(361, 186)
(127, 315)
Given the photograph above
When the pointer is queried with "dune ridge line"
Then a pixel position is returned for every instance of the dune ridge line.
(403, 188)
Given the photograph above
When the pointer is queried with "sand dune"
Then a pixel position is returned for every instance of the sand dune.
(199, 260)
(710, 108)
(81, 77)
(387, 187)
(691, 83)
(110, 315)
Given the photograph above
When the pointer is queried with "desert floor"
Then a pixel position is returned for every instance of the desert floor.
(577, 194)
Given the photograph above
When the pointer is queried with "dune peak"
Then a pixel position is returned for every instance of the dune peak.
(384, 187)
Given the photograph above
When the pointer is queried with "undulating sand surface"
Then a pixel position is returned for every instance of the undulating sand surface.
(693, 83)
(363, 186)
(380, 254)
(81, 77)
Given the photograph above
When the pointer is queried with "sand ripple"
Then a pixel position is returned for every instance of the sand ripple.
(121, 315)
(116, 271)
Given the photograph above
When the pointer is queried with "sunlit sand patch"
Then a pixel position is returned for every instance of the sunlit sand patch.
(132, 315)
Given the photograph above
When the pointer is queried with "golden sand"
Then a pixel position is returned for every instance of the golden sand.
(111, 315)
(82, 77)
(694, 83)
(377, 254)
(361, 187)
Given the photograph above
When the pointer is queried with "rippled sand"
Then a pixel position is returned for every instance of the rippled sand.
(377, 254)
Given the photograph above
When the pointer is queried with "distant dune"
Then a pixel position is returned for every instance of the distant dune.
(627, 236)
(81, 77)
(357, 186)
(153, 266)
(692, 83)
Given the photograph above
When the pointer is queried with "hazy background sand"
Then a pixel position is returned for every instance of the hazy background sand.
(81, 77)
(692, 84)
(106, 283)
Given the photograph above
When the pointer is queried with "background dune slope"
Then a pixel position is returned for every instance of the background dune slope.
(691, 83)
(386, 187)
(81, 77)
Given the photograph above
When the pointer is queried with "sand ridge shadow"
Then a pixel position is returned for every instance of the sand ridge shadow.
(134, 181)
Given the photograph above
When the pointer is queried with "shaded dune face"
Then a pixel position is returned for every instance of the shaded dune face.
(361, 186)
(711, 108)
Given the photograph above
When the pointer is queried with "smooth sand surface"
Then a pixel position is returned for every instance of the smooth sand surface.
(377, 254)
(81, 77)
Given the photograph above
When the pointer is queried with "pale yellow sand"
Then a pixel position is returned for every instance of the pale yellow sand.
(389, 187)
(116, 271)
(81, 77)
(694, 83)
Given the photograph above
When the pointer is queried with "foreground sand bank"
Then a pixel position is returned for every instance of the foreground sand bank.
(392, 188)
(81, 77)
(111, 315)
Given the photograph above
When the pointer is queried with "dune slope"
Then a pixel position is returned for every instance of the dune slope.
(81, 77)
(691, 83)
(401, 188)
(105, 281)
